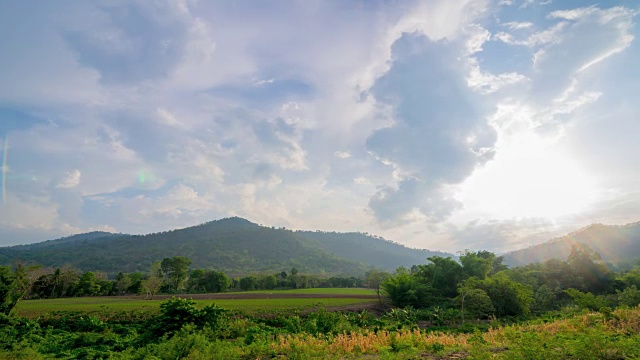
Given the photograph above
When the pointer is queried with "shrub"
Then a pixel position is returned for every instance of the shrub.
(177, 312)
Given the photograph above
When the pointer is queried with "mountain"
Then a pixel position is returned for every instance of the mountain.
(613, 243)
(235, 246)
(371, 250)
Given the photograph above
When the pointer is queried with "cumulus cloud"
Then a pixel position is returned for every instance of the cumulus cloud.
(72, 180)
(342, 154)
(355, 116)
(131, 42)
(439, 135)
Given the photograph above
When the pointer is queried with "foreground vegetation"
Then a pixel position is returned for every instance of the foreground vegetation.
(181, 330)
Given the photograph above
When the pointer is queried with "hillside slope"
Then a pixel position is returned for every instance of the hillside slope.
(234, 245)
(374, 251)
(613, 243)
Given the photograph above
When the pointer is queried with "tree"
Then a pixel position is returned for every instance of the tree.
(442, 274)
(248, 283)
(375, 279)
(175, 271)
(294, 271)
(588, 300)
(152, 284)
(16, 284)
(269, 282)
(88, 285)
(403, 290)
(588, 266)
(509, 298)
(629, 296)
(122, 283)
(214, 281)
(195, 283)
(480, 264)
(475, 303)
(9, 292)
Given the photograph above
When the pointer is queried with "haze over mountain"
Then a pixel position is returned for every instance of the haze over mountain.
(613, 243)
(233, 245)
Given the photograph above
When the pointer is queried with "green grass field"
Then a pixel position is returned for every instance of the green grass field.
(110, 307)
(336, 291)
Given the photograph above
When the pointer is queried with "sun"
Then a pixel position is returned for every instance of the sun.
(530, 177)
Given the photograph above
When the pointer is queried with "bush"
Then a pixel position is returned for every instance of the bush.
(177, 312)
(629, 296)
(588, 300)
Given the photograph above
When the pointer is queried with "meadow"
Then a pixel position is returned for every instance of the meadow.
(254, 303)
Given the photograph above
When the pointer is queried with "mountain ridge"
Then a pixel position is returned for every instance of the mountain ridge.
(614, 243)
(234, 245)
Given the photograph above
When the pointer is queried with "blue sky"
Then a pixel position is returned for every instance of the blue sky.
(447, 125)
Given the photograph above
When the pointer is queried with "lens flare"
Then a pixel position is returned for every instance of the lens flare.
(142, 177)
(4, 169)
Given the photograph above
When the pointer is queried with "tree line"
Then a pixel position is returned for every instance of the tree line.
(480, 286)
(169, 276)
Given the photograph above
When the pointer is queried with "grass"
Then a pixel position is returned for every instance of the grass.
(316, 291)
(108, 307)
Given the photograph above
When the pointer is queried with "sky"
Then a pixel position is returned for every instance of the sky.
(447, 125)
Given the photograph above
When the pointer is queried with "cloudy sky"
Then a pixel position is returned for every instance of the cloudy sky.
(449, 125)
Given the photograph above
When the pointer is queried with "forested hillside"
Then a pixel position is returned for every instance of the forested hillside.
(613, 243)
(369, 249)
(235, 246)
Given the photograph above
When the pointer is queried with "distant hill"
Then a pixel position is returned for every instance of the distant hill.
(613, 243)
(371, 250)
(233, 245)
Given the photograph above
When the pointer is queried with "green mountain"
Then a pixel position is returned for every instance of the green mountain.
(615, 244)
(371, 250)
(235, 246)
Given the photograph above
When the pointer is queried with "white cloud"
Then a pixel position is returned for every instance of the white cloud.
(175, 113)
(342, 154)
(166, 118)
(72, 180)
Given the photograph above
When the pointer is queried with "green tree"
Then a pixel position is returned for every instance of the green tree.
(151, 285)
(629, 296)
(122, 283)
(269, 282)
(175, 271)
(9, 292)
(587, 265)
(403, 289)
(588, 300)
(474, 303)
(480, 264)
(509, 298)
(214, 281)
(375, 279)
(248, 283)
(442, 274)
(88, 285)
(195, 283)
(544, 298)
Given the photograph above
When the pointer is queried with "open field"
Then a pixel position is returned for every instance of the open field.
(316, 291)
(253, 302)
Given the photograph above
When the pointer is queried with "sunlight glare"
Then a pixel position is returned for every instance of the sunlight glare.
(529, 177)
